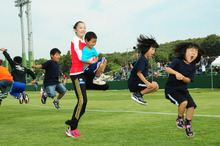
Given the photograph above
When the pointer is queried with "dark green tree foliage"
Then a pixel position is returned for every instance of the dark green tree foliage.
(211, 45)
(164, 53)
(65, 63)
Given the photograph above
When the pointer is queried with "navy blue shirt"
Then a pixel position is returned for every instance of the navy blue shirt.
(140, 65)
(187, 70)
(52, 73)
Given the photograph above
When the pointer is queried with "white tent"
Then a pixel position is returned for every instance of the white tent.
(216, 62)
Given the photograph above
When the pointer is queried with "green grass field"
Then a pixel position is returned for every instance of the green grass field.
(112, 118)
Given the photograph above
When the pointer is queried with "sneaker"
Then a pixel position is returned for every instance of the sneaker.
(189, 131)
(180, 123)
(26, 99)
(72, 133)
(98, 81)
(0, 101)
(43, 98)
(138, 98)
(56, 104)
(77, 132)
(21, 98)
(104, 77)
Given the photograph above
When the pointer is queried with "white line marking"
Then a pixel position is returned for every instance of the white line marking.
(107, 111)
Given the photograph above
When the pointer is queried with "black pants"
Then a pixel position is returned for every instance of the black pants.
(79, 83)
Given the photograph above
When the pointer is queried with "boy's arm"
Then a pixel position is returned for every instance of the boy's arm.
(178, 75)
(141, 76)
(7, 56)
(30, 72)
(89, 62)
(37, 66)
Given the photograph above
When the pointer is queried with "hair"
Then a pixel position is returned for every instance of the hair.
(54, 51)
(18, 59)
(1, 62)
(180, 50)
(145, 43)
(74, 27)
(90, 35)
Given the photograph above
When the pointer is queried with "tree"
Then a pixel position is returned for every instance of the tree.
(211, 45)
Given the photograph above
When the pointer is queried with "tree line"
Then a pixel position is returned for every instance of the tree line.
(116, 60)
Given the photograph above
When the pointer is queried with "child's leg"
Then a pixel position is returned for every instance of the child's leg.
(61, 90)
(99, 70)
(104, 65)
(181, 108)
(154, 88)
(189, 113)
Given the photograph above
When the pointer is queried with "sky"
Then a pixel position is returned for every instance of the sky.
(117, 23)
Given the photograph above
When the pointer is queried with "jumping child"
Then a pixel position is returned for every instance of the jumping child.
(18, 73)
(51, 81)
(92, 65)
(137, 82)
(181, 72)
(5, 81)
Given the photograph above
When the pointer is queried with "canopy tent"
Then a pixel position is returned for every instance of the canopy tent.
(216, 62)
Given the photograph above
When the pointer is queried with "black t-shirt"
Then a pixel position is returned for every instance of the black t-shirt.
(52, 73)
(18, 71)
(187, 70)
(140, 65)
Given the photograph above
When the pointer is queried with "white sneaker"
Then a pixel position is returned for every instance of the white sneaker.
(98, 81)
(104, 77)
(26, 99)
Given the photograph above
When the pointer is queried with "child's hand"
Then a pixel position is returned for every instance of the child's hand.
(149, 85)
(95, 59)
(179, 76)
(2, 49)
(33, 66)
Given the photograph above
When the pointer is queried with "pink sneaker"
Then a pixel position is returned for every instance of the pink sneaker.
(72, 133)
(77, 132)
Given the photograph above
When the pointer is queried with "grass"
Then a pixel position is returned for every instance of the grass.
(112, 118)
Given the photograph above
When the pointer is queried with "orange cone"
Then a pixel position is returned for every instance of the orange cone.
(41, 92)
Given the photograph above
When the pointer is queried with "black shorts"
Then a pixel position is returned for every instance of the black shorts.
(178, 97)
(137, 88)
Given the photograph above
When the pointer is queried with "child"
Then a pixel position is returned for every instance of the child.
(137, 82)
(93, 66)
(19, 76)
(181, 72)
(5, 80)
(51, 80)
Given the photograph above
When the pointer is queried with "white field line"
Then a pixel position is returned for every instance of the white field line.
(109, 111)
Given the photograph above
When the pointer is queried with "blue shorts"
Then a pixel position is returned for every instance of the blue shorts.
(92, 68)
(50, 90)
(17, 88)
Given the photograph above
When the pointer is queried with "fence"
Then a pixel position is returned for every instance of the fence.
(200, 82)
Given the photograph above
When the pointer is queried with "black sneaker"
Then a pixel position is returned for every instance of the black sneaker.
(21, 98)
(56, 104)
(138, 98)
(180, 123)
(43, 98)
(189, 131)
(26, 99)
